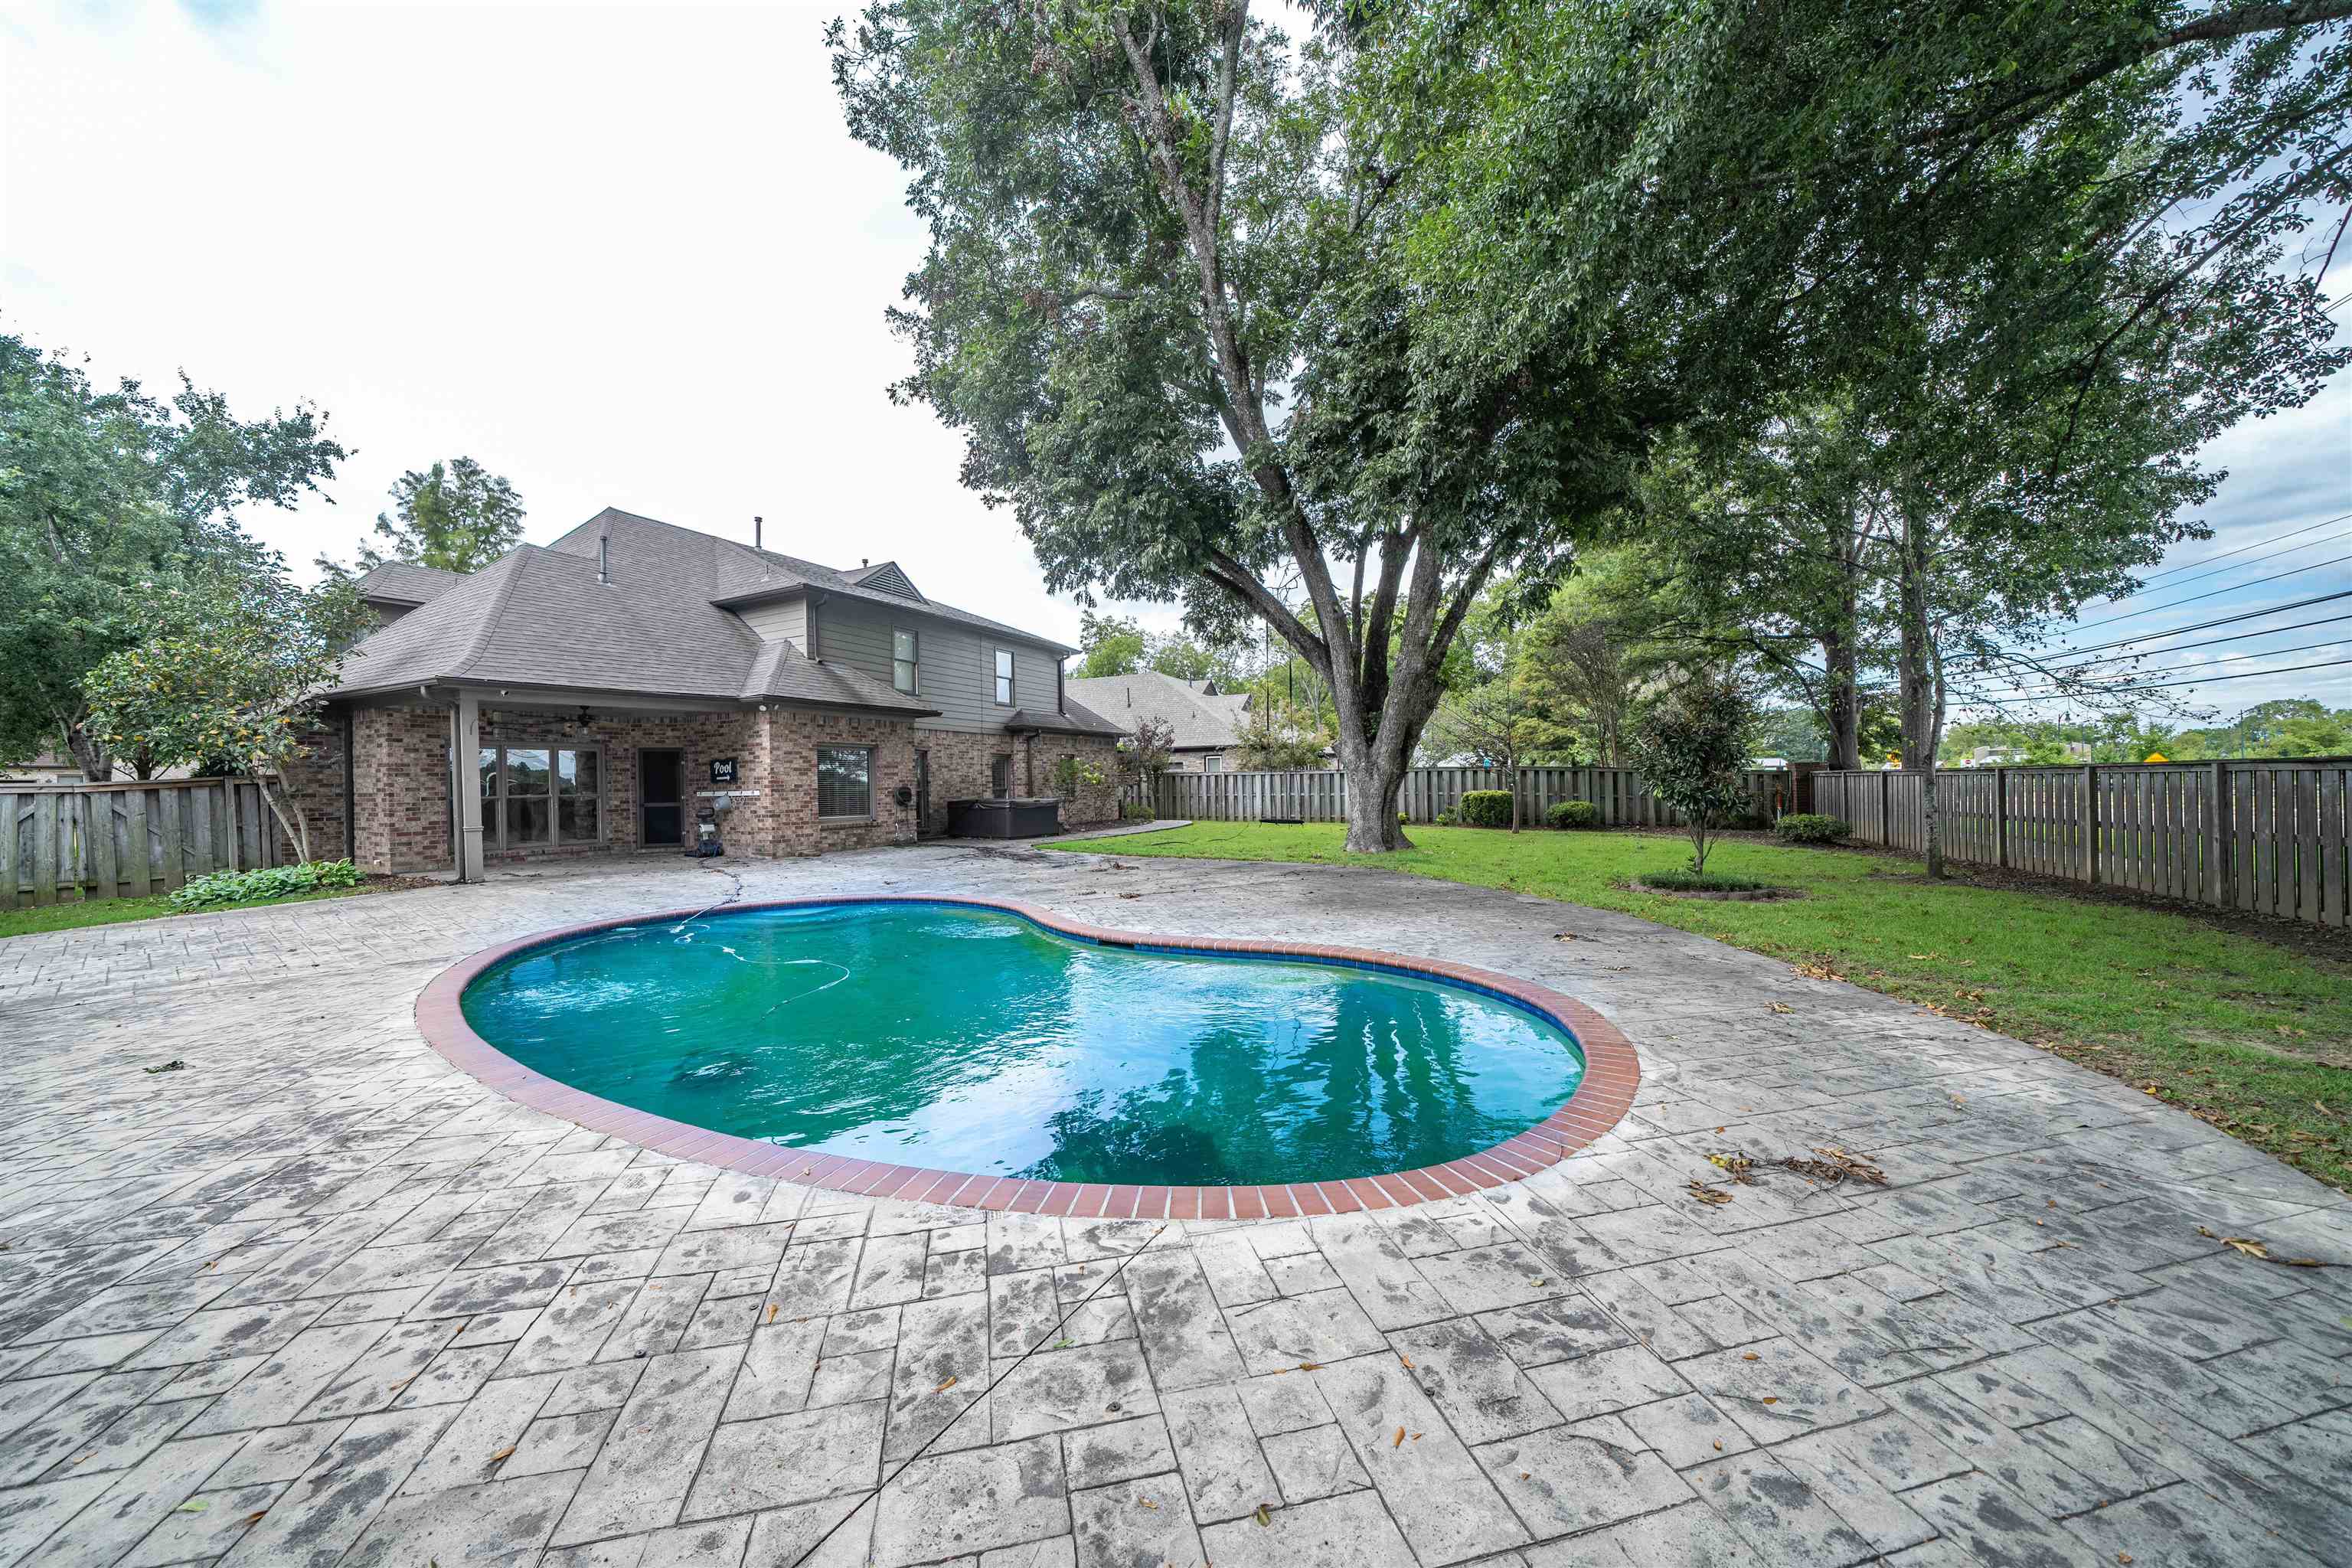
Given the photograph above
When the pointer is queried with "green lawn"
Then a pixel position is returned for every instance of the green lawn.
(2254, 1035)
(108, 911)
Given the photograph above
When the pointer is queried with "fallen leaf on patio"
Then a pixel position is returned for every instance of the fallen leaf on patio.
(1408, 1360)
(1707, 1195)
(1146, 1502)
(773, 1308)
(2253, 1248)
(255, 1516)
(945, 1386)
(505, 1453)
(194, 1505)
(1400, 1439)
(1311, 1366)
(1779, 1007)
(1264, 1515)
(1771, 1399)
(1751, 1355)
(174, 1064)
(1719, 1445)
(1563, 936)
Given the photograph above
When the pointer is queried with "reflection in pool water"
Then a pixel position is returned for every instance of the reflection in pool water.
(970, 1039)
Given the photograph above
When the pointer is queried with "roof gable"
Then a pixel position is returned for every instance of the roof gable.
(889, 578)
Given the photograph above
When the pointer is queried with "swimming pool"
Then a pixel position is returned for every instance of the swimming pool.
(1022, 1051)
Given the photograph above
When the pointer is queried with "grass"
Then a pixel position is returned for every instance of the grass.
(2253, 1034)
(111, 911)
(1676, 880)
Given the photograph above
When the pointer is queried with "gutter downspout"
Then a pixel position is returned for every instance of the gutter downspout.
(350, 787)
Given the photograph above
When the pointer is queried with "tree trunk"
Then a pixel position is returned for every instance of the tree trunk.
(97, 766)
(298, 830)
(1922, 693)
(1374, 783)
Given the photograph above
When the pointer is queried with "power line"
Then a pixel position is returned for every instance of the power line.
(2209, 642)
(2129, 683)
(2213, 594)
(2225, 571)
(2257, 544)
(2205, 626)
(2123, 690)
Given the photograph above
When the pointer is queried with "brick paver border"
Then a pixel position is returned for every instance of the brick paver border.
(1598, 1101)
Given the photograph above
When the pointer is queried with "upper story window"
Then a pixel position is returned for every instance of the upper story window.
(903, 662)
(1004, 678)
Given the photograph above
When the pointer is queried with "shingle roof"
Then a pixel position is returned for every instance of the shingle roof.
(405, 582)
(1197, 718)
(1078, 719)
(540, 617)
(728, 574)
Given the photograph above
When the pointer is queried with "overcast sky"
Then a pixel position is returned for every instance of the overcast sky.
(629, 256)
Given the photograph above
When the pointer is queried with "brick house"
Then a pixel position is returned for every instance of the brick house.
(595, 695)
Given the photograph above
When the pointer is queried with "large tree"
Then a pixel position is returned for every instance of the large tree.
(457, 516)
(1167, 303)
(109, 499)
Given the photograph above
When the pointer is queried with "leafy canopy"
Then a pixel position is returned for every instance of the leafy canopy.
(108, 502)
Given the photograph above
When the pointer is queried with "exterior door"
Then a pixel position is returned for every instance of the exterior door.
(661, 797)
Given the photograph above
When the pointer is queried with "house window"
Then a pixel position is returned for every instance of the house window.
(537, 795)
(844, 781)
(1000, 777)
(1004, 678)
(903, 661)
(1213, 764)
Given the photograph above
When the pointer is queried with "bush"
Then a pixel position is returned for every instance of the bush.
(220, 888)
(1443, 819)
(1136, 811)
(1811, 828)
(1485, 808)
(1573, 814)
(1680, 881)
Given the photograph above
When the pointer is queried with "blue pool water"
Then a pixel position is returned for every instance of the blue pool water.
(972, 1039)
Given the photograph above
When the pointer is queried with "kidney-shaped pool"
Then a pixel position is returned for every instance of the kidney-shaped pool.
(973, 1038)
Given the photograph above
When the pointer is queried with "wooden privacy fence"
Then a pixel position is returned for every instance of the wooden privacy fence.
(128, 840)
(1321, 795)
(2268, 837)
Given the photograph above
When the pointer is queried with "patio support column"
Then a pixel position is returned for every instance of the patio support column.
(466, 786)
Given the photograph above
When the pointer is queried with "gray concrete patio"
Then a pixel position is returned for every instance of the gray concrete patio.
(318, 1298)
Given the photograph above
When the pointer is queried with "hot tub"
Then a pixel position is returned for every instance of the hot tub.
(1006, 817)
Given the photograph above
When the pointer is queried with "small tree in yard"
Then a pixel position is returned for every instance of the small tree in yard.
(1692, 748)
(231, 670)
(1491, 722)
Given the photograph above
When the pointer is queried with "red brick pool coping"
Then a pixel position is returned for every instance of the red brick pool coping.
(1600, 1100)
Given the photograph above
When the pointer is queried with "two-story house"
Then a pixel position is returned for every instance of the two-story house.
(602, 692)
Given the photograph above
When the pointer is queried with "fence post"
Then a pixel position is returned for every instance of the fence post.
(2000, 817)
(2090, 822)
(1886, 822)
(2217, 836)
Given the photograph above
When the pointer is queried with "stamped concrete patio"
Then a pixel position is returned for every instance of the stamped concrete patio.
(318, 1298)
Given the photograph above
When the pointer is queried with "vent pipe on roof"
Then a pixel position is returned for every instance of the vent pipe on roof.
(757, 525)
(603, 558)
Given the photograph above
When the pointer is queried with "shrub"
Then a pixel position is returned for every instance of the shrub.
(1692, 748)
(1443, 819)
(1573, 814)
(1485, 808)
(1811, 828)
(1136, 811)
(1681, 881)
(220, 888)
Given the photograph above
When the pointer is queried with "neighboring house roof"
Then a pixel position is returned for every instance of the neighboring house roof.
(405, 583)
(1202, 722)
(540, 617)
(727, 573)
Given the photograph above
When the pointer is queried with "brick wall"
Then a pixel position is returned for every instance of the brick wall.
(961, 764)
(793, 739)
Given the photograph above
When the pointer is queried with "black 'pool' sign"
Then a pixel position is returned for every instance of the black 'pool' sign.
(722, 770)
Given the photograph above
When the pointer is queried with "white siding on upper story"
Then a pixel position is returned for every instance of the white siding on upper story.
(779, 620)
(956, 663)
